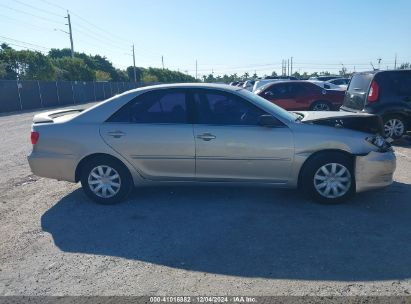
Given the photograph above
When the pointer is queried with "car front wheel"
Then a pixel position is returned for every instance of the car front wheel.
(329, 178)
(105, 180)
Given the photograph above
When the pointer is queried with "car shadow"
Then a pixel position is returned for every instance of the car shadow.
(248, 232)
(405, 141)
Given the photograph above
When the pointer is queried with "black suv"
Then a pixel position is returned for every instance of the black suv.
(385, 93)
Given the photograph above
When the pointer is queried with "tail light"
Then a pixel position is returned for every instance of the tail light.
(374, 92)
(34, 137)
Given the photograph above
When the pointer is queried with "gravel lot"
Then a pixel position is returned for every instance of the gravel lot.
(189, 241)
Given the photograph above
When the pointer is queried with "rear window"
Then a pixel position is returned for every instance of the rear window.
(360, 82)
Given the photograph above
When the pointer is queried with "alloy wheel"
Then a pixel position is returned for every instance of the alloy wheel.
(332, 180)
(104, 181)
(321, 106)
(394, 128)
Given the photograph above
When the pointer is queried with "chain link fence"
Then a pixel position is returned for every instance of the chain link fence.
(32, 94)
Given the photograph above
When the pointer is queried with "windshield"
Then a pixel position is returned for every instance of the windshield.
(265, 104)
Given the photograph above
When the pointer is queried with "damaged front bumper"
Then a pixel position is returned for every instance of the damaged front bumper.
(374, 170)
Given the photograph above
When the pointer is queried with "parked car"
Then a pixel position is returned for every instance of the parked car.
(323, 78)
(234, 83)
(341, 82)
(262, 82)
(248, 85)
(280, 77)
(301, 95)
(203, 133)
(326, 85)
(386, 93)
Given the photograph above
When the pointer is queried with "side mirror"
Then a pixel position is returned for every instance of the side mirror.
(268, 121)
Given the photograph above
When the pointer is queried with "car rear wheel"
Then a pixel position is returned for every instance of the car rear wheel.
(321, 106)
(328, 178)
(394, 127)
(105, 180)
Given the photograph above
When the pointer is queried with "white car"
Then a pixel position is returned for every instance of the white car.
(259, 83)
(248, 85)
(341, 82)
(327, 85)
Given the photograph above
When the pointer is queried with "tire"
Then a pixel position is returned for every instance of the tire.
(395, 126)
(315, 181)
(321, 105)
(108, 173)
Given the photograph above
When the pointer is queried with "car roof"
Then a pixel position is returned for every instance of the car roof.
(291, 81)
(194, 85)
(383, 71)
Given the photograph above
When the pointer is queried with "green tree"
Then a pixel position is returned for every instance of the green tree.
(25, 65)
(405, 66)
(139, 73)
(68, 68)
(102, 76)
(150, 78)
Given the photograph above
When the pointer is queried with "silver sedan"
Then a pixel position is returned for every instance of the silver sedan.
(208, 134)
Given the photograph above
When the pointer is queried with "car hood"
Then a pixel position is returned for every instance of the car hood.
(316, 115)
(362, 122)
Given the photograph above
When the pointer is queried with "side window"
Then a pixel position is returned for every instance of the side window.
(154, 107)
(220, 108)
(279, 91)
(295, 90)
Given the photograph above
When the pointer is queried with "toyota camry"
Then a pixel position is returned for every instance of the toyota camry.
(204, 133)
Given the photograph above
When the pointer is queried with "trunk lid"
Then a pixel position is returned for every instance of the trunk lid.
(55, 116)
(355, 97)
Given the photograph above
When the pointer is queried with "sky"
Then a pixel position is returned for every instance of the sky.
(223, 36)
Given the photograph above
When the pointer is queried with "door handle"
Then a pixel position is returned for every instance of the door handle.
(206, 136)
(116, 134)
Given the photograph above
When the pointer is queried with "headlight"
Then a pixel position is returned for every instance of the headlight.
(379, 142)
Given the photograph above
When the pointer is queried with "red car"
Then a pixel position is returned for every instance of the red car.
(301, 95)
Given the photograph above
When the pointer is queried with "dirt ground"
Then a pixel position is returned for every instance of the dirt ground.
(192, 240)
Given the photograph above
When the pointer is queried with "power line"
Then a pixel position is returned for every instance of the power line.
(104, 32)
(27, 13)
(22, 46)
(38, 9)
(33, 26)
(19, 41)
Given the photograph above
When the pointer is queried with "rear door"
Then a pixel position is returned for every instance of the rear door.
(356, 94)
(152, 132)
(280, 95)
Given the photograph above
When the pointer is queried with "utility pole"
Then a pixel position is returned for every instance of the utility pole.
(134, 65)
(196, 68)
(162, 61)
(395, 62)
(379, 62)
(291, 72)
(288, 67)
(70, 33)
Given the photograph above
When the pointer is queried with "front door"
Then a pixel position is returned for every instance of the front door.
(232, 146)
(152, 132)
